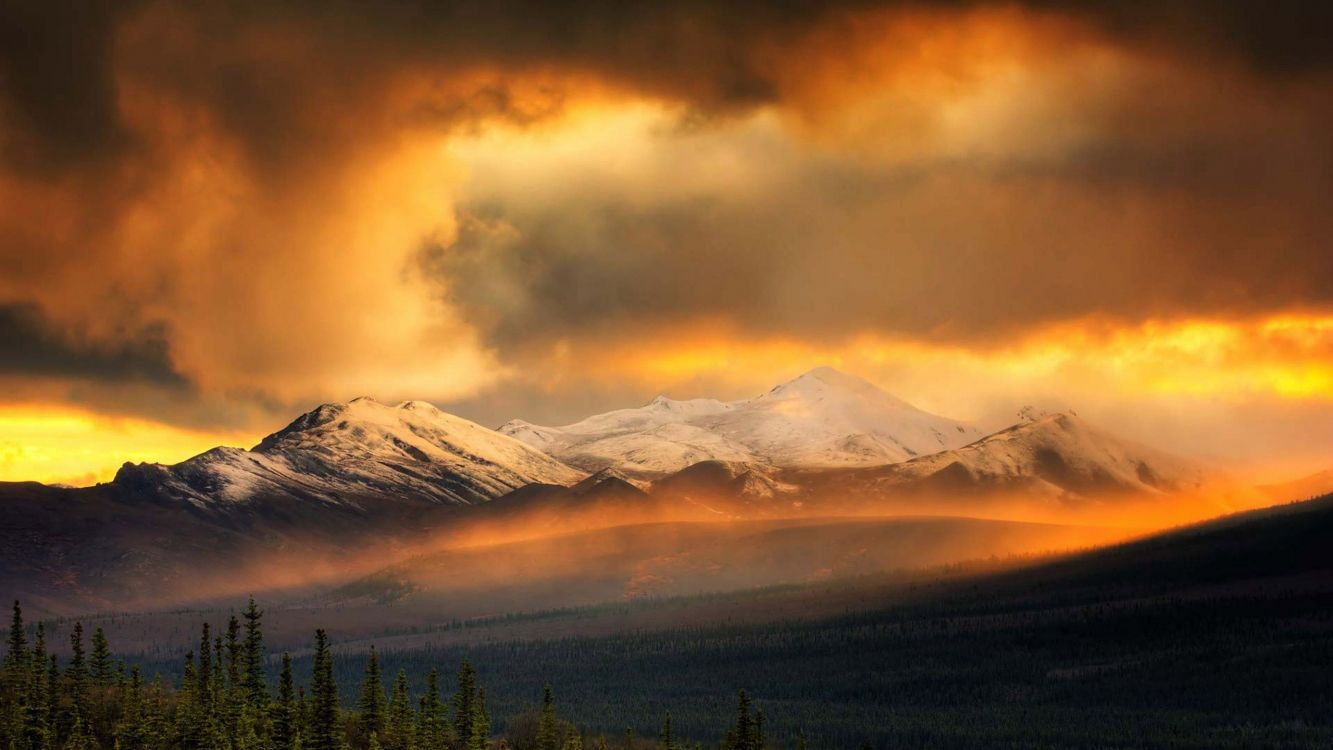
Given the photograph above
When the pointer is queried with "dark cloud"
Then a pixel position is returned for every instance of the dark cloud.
(953, 249)
(198, 142)
(30, 346)
(57, 92)
(58, 59)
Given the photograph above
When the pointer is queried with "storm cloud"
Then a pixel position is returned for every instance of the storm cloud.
(257, 206)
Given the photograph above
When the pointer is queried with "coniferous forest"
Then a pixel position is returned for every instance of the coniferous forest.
(222, 699)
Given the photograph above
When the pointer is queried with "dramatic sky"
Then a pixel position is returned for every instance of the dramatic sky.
(216, 215)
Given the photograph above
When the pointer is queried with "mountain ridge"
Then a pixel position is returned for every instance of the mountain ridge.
(822, 418)
(340, 452)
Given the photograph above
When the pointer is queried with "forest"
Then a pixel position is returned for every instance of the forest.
(222, 700)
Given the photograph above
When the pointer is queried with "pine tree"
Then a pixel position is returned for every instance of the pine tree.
(667, 742)
(372, 703)
(256, 687)
(546, 726)
(743, 732)
(432, 724)
(463, 700)
(246, 734)
(230, 697)
(190, 721)
(78, 736)
(218, 707)
(325, 733)
(37, 719)
(233, 655)
(481, 723)
(103, 672)
(76, 675)
(131, 729)
(16, 653)
(53, 698)
(217, 682)
(157, 733)
(205, 672)
(759, 741)
(399, 723)
(286, 713)
(14, 683)
(801, 742)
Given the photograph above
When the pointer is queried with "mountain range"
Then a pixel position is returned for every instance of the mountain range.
(824, 428)
(368, 475)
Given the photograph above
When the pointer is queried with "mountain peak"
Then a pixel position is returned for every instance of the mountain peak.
(823, 381)
(821, 418)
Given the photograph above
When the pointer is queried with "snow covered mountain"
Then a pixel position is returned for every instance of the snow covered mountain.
(823, 418)
(346, 453)
(1051, 455)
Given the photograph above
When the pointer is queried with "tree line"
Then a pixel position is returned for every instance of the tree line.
(223, 701)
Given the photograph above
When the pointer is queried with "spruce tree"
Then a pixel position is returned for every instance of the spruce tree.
(246, 735)
(546, 725)
(205, 672)
(190, 713)
(286, 713)
(157, 733)
(399, 723)
(233, 655)
(372, 703)
(78, 736)
(103, 671)
(219, 713)
(481, 723)
(759, 741)
(53, 698)
(743, 733)
(463, 699)
(801, 742)
(131, 730)
(667, 742)
(16, 652)
(432, 724)
(37, 719)
(76, 676)
(13, 684)
(325, 733)
(256, 687)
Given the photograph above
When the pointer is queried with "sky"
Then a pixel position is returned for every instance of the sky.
(214, 216)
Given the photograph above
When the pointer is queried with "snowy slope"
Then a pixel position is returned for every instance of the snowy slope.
(1057, 454)
(345, 453)
(823, 418)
